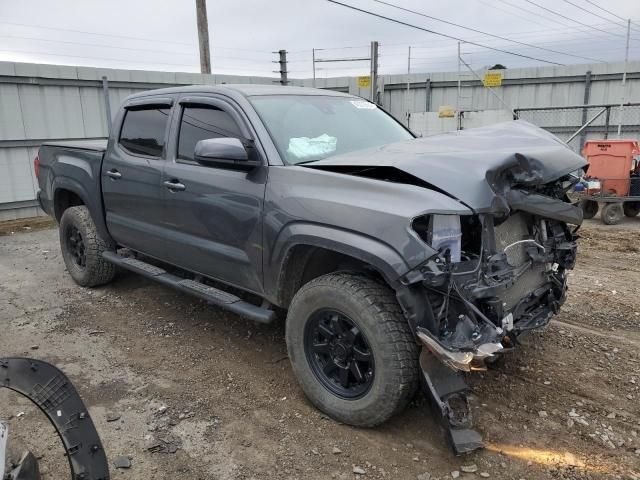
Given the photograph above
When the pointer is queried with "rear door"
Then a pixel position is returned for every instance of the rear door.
(132, 176)
(213, 215)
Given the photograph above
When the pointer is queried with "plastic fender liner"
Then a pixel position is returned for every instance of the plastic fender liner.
(55, 395)
(544, 206)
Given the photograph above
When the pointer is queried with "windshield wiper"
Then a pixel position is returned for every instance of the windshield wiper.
(308, 161)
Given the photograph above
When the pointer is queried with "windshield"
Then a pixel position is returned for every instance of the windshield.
(307, 128)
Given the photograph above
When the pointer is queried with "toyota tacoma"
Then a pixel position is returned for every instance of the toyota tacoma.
(401, 261)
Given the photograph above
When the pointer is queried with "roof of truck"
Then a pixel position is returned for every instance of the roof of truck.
(246, 90)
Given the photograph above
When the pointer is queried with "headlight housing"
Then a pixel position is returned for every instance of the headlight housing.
(442, 232)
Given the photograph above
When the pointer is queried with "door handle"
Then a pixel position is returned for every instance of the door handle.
(175, 186)
(113, 173)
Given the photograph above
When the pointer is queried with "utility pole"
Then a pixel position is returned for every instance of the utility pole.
(374, 71)
(282, 61)
(203, 36)
(624, 78)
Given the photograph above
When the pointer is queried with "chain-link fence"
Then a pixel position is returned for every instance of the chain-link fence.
(566, 121)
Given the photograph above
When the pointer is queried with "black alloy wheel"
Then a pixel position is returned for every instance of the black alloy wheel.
(339, 354)
(76, 247)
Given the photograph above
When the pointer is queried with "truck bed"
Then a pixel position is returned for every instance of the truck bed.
(98, 145)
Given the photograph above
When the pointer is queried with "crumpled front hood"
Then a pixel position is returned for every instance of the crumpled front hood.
(471, 165)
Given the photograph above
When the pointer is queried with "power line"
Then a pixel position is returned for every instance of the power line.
(400, 22)
(624, 24)
(98, 34)
(153, 40)
(548, 19)
(607, 11)
(67, 42)
(484, 33)
(589, 12)
(571, 19)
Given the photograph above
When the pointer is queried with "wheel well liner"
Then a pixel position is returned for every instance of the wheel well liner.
(304, 263)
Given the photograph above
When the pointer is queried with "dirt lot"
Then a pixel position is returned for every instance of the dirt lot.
(567, 405)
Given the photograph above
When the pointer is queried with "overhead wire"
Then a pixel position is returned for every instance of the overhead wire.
(415, 12)
(608, 11)
(571, 19)
(453, 37)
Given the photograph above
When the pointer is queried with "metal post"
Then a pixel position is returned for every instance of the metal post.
(283, 67)
(624, 78)
(313, 56)
(606, 123)
(203, 36)
(374, 71)
(586, 99)
(408, 86)
(459, 89)
(107, 103)
(427, 95)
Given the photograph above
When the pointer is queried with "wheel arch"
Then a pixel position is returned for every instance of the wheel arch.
(68, 192)
(306, 252)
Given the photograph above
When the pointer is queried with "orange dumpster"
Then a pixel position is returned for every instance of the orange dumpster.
(611, 162)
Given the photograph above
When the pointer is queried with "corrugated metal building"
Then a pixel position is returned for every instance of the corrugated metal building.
(51, 102)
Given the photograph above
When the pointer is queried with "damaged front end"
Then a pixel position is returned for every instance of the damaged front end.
(497, 275)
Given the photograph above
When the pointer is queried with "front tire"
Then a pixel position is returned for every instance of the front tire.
(351, 348)
(82, 249)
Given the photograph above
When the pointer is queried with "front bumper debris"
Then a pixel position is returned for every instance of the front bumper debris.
(447, 392)
(456, 359)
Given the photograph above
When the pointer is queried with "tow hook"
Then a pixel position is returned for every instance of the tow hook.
(447, 392)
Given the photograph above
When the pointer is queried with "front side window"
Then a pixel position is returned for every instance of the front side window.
(306, 128)
(201, 123)
(143, 131)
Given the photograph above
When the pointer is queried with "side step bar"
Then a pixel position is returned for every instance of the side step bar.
(205, 292)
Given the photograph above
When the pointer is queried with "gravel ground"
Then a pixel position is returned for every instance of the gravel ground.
(194, 392)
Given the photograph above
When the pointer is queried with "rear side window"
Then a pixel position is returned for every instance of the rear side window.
(200, 123)
(143, 131)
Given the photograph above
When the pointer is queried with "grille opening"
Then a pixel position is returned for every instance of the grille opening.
(471, 234)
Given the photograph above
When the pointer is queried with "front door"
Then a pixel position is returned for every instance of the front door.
(132, 176)
(213, 215)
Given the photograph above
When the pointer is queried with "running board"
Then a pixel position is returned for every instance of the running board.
(208, 293)
(447, 391)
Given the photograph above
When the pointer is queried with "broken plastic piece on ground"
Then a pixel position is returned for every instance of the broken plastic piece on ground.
(57, 398)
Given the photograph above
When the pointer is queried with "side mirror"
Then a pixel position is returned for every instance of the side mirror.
(224, 153)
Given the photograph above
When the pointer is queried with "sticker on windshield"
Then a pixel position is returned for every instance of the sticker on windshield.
(363, 104)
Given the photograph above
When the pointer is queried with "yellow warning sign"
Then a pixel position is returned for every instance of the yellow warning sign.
(364, 82)
(446, 111)
(492, 78)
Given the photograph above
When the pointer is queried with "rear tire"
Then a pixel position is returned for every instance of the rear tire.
(589, 208)
(82, 249)
(385, 376)
(612, 213)
(631, 209)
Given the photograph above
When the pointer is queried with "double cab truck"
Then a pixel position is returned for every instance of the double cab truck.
(400, 261)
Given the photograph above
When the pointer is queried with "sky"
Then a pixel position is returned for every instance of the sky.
(245, 34)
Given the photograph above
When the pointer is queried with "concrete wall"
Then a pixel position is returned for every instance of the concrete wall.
(52, 102)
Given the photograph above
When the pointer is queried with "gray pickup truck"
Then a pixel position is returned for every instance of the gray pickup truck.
(400, 261)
